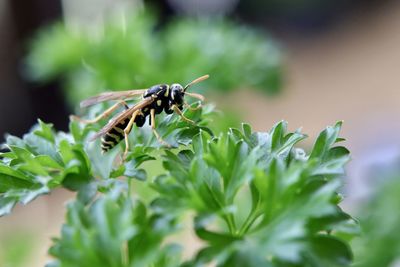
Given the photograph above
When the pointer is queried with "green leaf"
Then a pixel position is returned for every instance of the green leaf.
(9, 182)
(48, 162)
(139, 174)
(112, 231)
(42, 160)
(331, 251)
(379, 243)
(247, 131)
(277, 134)
(325, 140)
(334, 161)
(215, 239)
(87, 193)
(7, 204)
(6, 170)
(45, 131)
(291, 200)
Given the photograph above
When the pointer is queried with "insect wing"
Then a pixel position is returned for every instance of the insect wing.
(111, 96)
(123, 115)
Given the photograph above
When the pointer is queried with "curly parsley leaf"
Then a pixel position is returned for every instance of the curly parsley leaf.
(293, 217)
(39, 162)
(44, 159)
(114, 230)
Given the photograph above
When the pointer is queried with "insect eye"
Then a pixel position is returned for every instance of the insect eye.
(176, 87)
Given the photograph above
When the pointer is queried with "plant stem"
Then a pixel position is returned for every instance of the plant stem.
(231, 224)
(249, 222)
(129, 187)
(229, 219)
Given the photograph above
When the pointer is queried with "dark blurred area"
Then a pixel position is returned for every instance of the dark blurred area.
(23, 101)
(304, 17)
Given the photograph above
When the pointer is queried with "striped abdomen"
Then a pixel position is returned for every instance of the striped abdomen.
(116, 134)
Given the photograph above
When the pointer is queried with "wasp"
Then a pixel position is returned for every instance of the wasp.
(155, 100)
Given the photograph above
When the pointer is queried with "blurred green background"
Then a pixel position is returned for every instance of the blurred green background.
(310, 62)
(131, 54)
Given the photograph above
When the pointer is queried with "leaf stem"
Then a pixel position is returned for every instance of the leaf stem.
(231, 223)
(228, 218)
(125, 254)
(129, 187)
(249, 222)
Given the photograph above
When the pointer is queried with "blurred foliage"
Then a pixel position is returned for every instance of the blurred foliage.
(16, 248)
(380, 221)
(133, 54)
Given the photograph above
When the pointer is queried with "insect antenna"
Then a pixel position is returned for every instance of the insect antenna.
(200, 79)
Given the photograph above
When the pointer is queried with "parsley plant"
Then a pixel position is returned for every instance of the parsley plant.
(251, 198)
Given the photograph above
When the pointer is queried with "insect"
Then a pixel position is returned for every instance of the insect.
(155, 100)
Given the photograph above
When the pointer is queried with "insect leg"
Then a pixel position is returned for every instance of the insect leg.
(105, 114)
(177, 110)
(199, 106)
(127, 130)
(198, 96)
(153, 127)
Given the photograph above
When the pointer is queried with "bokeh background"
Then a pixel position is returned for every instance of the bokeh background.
(323, 61)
